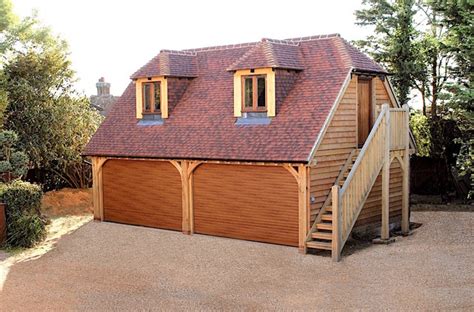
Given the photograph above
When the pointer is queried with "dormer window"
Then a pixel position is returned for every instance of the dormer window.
(254, 92)
(151, 97)
(254, 97)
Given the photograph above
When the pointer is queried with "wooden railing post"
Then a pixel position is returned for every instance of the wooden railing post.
(336, 224)
(385, 233)
(406, 174)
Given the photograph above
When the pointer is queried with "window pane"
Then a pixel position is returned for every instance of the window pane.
(248, 92)
(261, 91)
(146, 97)
(157, 96)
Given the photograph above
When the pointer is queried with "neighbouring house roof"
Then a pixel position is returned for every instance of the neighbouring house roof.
(202, 123)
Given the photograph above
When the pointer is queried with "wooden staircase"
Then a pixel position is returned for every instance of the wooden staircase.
(321, 234)
(347, 197)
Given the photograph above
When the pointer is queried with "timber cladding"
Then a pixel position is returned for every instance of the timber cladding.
(142, 193)
(337, 144)
(372, 211)
(257, 203)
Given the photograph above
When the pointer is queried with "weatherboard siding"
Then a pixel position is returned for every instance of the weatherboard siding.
(337, 144)
(372, 211)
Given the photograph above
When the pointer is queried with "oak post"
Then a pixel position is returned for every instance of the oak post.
(336, 224)
(97, 187)
(185, 197)
(406, 174)
(302, 208)
(385, 233)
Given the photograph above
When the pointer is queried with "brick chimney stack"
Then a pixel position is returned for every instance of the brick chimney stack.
(103, 88)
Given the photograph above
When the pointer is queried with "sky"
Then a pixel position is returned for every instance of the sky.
(112, 39)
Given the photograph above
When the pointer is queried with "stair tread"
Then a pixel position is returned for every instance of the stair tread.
(319, 245)
(326, 216)
(322, 235)
(324, 226)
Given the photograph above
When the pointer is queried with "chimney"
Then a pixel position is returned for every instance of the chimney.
(103, 88)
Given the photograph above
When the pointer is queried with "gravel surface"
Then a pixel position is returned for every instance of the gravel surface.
(104, 266)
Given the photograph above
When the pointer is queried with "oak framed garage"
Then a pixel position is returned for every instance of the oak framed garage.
(323, 149)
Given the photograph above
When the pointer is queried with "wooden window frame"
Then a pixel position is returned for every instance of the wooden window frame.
(255, 108)
(152, 104)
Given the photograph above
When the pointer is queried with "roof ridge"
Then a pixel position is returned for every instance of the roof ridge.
(312, 38)
(179, 52)
(289, 41)
(222, 47)
(281, 41)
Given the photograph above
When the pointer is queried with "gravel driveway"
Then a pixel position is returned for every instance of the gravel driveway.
(104, 266)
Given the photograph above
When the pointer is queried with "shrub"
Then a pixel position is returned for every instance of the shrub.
(25, 226)
(25, 230)
(22, 196)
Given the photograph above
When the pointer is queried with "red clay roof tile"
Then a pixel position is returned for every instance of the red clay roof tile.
(202, 126)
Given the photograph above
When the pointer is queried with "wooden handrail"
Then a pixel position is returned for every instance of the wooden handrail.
(365, 147)
(353, 194)
(329, 197)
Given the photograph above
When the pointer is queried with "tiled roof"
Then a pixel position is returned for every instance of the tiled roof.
(201, 124)
(169, 63)
(268, 53)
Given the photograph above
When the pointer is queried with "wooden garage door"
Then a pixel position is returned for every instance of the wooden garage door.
(257, 203)
(143, 193)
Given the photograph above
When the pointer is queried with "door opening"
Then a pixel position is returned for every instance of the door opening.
(364, 108)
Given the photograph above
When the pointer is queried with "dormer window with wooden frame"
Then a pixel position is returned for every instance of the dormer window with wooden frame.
(254, 92)
(254, 96)
(151, 97)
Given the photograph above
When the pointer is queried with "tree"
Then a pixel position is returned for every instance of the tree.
(13, 163)
(392, 41)
(456, 16)
(52, 121)
(18, 36)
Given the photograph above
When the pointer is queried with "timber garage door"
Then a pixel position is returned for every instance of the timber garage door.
(143, 193)
(257, 203)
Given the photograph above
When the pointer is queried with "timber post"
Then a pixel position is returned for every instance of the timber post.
(406, 174)
(385, 232)
(301, 175)
(336, 224)
(97, 187)
(186, 169)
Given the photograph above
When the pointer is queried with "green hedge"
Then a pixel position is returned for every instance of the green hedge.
(25, 226)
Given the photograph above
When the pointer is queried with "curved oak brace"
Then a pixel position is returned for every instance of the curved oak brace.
(186, 169)
(301, 175)
(97, 187)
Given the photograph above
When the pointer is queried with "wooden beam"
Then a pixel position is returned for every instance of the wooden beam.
(190, 172)
(385, 233)
(336, 224)
(186, 169)
(185, 196)
(302, 207)
(292, 170)
(97, 187)
(303, 180)
(406, 176)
